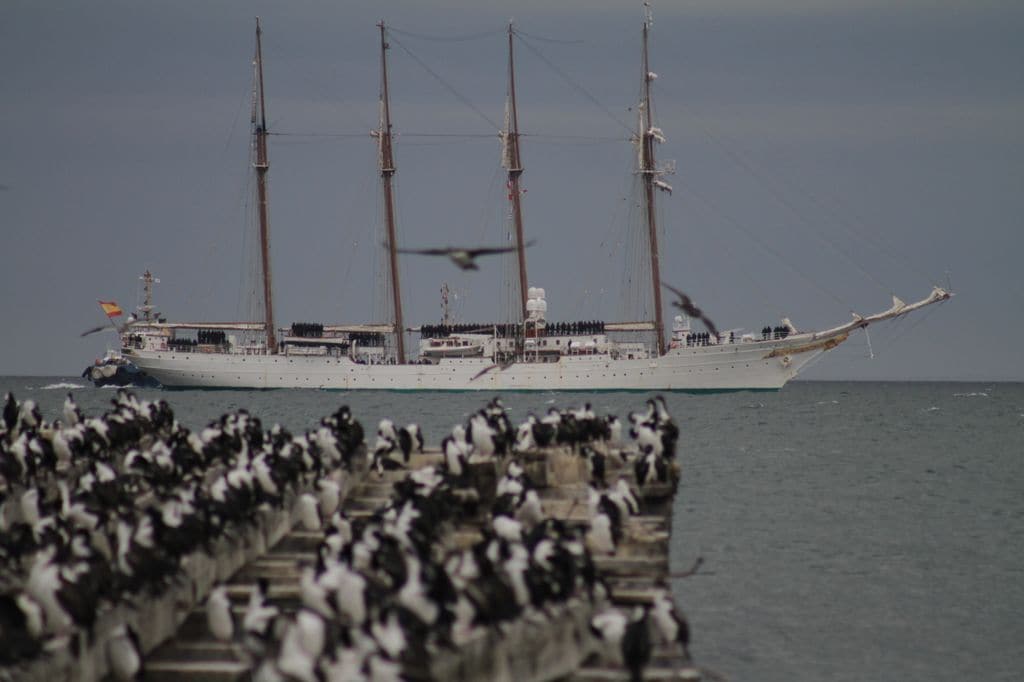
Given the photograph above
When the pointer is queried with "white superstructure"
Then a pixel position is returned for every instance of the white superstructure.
(478, 361)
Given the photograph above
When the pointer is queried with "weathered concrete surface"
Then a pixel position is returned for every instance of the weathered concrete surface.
(525, 650)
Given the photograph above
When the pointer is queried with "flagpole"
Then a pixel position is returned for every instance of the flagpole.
(110, 314)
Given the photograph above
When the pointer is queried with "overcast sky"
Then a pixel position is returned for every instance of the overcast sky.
(828, 154)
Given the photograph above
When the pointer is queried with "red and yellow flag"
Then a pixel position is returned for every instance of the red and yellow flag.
(111, 308)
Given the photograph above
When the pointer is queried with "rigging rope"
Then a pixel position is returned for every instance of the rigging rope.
(582, 138)
(557, 41)
(450, 88)
(446, 39)
(397, 135)
(850, 226)
(773, 190)
(556, 138)
(738, 226)
(755, 285)
(904, 330)
(568, 79)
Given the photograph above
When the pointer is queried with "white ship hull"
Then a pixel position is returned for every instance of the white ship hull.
(751, 366)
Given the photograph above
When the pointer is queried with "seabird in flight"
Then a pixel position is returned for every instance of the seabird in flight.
(465, 258)
(685, 303)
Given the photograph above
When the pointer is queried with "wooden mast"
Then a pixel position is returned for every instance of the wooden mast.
(514, 165)
(649, 172)
(262, 165)
(387, 172)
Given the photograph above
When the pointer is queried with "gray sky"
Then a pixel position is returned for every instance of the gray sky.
(828, 154)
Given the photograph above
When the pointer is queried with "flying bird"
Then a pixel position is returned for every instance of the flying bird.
(500, 366)
(101, 328)
(685, 303)
(464, 258)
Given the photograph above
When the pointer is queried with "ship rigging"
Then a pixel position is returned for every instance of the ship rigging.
(529, 352)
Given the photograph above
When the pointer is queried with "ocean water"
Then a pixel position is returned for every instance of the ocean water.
(850, 531)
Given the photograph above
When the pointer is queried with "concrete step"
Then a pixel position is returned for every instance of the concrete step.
(365, 502)
(195, 671)
(652, 673)
(298, 541)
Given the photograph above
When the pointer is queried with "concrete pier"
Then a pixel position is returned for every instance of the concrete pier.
(561, 646)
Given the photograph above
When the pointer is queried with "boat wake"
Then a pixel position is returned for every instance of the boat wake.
(973, 394)
(64, 385)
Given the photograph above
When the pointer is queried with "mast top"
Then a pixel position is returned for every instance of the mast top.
(646, 137)
(262, 164)
(387, 171)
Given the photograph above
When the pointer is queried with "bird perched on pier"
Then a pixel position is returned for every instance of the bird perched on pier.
(302, 644)
(672, 626)
(614, 429)
(218, 614)
(10, 414)
(347, 430)
(72, 415)
(308, 508)
(535, 434)
(465, 258)
(416, 433)
(514, 482)
(610, 626)
(258, 620)
(530, 511)
(454, 456)
(47, 587)
(595, 465)
(636, 644)
(328, 497)
(658, 416)
(645, 433)
(482, 436)
(601, 536)
(685, 303)
(624, 498)
(650, 467)
(21, 624)
(404, 438)
(384, 452)
(124, 653)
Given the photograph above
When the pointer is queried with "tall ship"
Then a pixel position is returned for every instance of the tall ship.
(531, 351)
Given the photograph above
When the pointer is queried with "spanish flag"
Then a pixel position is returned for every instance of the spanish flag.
(111, 308)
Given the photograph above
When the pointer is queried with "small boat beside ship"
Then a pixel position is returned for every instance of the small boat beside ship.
(113, 369)
(529, 351)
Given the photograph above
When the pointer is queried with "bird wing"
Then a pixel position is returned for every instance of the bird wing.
(429, 252)
(709, 324)
(482, 372)
(486, 251)
(684, 300)
(87, 332)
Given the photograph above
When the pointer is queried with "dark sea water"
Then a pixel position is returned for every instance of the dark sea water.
(850, 531)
